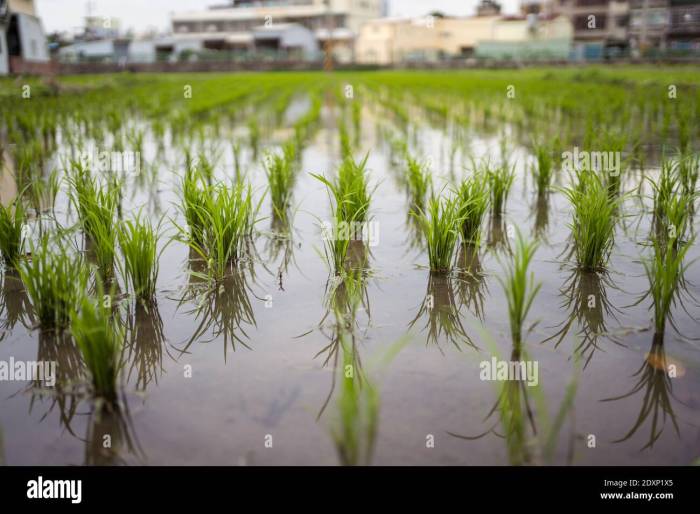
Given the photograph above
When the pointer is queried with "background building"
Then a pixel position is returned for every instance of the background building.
(333, 23)
(23, 45)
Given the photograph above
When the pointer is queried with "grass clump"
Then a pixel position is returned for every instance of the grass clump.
(440, 227)
(665, 271)
(225, 215)
(55, 281)
(500, 181)
(279, 169)
(520, 287)
(138, 240)
(99, 339)
(473, 202)
(593, 224)
(12, 220)
(419, 181)
(543, 170)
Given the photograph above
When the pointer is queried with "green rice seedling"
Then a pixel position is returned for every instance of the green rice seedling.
(357, 120)
(473, 202)
(593, 224)
(43, 191)
(96, 205)
(688, 170)
(99, 338)
(665, 271)
(520, 287)
(12, 220)
(194, 193)
(419, 181)
(254, 135)
(138, 240)
(664, 188)
(227, 215)
(440, 226)
(345, 144)
(350, 191)
(543, 169)
(280, 179)
(677, 215)
(500, 181)
(55, 281)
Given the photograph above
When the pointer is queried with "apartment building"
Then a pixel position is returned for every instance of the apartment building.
(600, 26)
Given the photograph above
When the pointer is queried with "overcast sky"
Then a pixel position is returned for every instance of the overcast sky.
(143, 14)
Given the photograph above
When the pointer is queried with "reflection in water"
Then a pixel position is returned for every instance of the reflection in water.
(654, 382)
(110, 435)
(498, 239)
(144, 347)
(60, 348)
(541, 212)
(470, 279)
(223, 309)
(15, 306)
(586, 301)
(442, 312)
(530, 435)
(280, 247)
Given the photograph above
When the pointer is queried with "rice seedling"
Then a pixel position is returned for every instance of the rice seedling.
(473, 202)
(440, 225)
(664, 188)
(665, 271)
(280, 179)
(193, 193)
(593, 224)
(419, 181)
(12, 221)
(520, 287)
(99, 338)
(350, 190)
(226, 215)
(500, 181)
(543, 169)
(254, 135)
(688, 170)
(55, 281)
(138, 240)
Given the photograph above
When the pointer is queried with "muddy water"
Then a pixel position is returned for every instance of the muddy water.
(266, 391)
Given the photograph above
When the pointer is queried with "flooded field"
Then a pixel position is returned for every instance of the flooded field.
(266, 341)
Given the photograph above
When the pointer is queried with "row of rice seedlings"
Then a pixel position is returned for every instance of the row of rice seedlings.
(473, 202)
(98, 337)
(419, 181)
(12, 221)
(500, 181)
(593, 224)
(138, 240)
(543, 170)
(279, 169)
(55, 280)
(520, 287)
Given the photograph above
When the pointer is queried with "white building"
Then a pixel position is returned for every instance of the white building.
(333, 22)
(23, 44)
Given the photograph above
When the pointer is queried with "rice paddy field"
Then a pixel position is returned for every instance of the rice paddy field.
(320, 269)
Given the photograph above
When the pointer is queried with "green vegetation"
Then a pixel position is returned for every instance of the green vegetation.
(12, 220)
(55, 281)
(440, 225)
(473, 202)
(593, 224)
(138, 240)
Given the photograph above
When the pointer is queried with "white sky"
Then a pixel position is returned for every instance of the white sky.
(143, 14)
